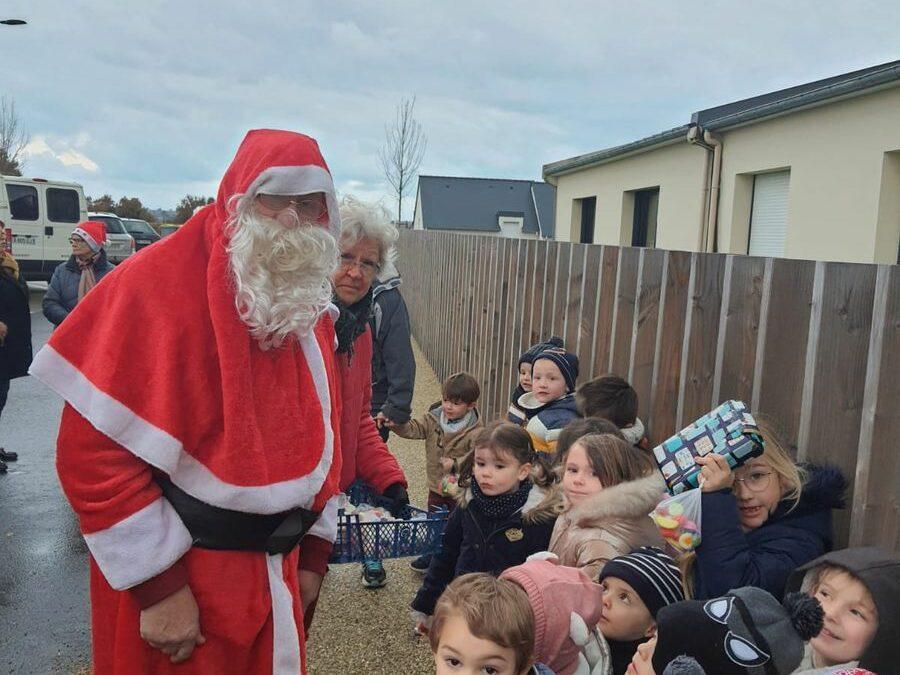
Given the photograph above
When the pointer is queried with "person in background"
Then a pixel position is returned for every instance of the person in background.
(516, 413)
(72, 279)
(582, 427)
(15, 331)
(550, 405)
(613, 398)
(393, 363)
(761, 520)
(365, 239)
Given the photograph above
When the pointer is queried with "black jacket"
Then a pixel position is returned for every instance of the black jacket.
(765, 557)
(879, 571)
(15, 352)
(473, 542)
(393, 365)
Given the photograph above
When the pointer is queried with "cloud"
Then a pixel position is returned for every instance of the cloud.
(66, 153)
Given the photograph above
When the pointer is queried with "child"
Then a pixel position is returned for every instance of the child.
(502, 516)
(483, 625)
(550, 405)
(566, 607)
(582, 427)
(448, 428)
(859, 590)
(610, 488)
(635, 587)
(746, 631)
(517, 414)
(612, 398)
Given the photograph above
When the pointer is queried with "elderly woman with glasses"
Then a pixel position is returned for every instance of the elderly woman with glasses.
(763, 519)
(366, 242)
(72, 279)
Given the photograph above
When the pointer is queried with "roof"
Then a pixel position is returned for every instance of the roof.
(745, 111)
(474, 204)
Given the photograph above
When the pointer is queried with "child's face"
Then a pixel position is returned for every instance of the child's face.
(547, 382)
(498, 472)
(455, 409)
(525, 376)
(579, 481)
(625, 616)
(461, 653)
(758, 493)
(851, 618)
(642, 662)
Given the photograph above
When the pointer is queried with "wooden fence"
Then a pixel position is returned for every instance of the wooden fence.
(814, 345)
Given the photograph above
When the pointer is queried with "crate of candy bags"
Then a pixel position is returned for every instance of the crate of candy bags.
(367, 531)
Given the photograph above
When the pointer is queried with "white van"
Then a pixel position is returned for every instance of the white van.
(38, 216)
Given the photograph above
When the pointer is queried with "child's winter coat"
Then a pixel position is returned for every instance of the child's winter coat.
(765, 557)
(546, 421)
(474, 541)
(442, 439)
(879, 571)
(613, 522)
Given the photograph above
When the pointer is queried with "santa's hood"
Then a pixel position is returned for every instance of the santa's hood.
(175, 377)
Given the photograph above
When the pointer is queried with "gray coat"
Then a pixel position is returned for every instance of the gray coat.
(62, 292)
(393, 365)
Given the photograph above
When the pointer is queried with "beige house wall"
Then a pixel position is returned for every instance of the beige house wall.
(678, 171)
(842, 185)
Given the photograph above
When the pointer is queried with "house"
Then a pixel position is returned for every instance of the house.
(491, 206)
(811, 171)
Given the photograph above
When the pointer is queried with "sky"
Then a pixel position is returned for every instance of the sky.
(152, 98)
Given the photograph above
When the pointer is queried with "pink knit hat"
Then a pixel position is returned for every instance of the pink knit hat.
(554, 593)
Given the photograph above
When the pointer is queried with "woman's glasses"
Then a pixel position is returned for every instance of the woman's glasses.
(366, 267)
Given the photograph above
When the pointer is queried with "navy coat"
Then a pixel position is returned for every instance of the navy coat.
(473, 542)
(765, 557)
(62, 291)
(15, 352)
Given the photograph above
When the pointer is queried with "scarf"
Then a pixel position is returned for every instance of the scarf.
(352, 322)
(500, 506)
(87, 280)
(454, 426)
(9, 264)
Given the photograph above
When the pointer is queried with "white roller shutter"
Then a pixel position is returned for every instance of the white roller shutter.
(768, 218)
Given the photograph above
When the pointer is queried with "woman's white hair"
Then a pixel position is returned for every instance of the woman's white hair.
(362, 220)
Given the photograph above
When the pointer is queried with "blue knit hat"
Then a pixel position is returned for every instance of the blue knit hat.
(532, 352)
(567, 363)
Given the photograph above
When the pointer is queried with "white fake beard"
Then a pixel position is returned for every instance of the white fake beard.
(282, 274)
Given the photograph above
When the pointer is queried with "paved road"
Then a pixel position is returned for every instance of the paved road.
(44, 620)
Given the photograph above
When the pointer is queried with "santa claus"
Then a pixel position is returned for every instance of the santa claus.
(198, 442)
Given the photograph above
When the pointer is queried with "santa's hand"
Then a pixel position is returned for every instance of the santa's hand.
(172, 625)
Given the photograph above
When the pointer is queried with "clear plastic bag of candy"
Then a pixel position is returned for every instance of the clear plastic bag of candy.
(678, 520)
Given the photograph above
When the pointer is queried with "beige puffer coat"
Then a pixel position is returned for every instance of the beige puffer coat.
(611, 523)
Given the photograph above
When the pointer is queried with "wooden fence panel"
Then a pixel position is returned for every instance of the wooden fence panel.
(561, 290)
(604, 328)
(667, 368)
(626, 296)
(574, 300)
(643, 333)
(501, 316)
(588, 323)
(523, 303)
(548, 291)
(537, 291)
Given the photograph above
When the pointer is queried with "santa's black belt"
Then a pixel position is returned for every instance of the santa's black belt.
(226, 530)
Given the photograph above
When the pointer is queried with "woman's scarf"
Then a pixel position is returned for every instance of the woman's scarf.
(500, 506)
(87, 280)
(352, 322)
(9, 265)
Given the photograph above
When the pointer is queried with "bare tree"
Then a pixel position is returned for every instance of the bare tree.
(403, 150)
(12, 138)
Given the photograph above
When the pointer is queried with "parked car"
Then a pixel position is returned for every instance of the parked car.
(119, 244)
(141, 231)
(38, 216)
(168, 228)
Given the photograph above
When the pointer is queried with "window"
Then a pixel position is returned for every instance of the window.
(588, 213)
(62, 205)
(23, 201)
(768, 214)
(138, 226)
(113, 225)
(643, 225)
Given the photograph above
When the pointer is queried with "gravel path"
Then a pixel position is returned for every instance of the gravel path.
(362, 631)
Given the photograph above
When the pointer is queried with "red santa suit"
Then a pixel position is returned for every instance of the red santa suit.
(162, 380)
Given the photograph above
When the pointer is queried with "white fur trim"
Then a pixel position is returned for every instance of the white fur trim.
(300, 180)
(326, 526)
(140, 547)
(543, 555)
(286, 638)
(535, 498)
(165, 452)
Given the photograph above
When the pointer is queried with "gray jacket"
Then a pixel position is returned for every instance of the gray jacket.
(393, 364)
(62, 291)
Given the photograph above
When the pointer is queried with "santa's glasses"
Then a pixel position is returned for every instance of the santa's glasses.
(307, 206)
